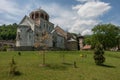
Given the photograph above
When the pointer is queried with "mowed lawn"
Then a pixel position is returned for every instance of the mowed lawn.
(29, 65)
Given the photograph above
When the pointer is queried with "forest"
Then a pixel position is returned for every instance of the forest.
(8, 32)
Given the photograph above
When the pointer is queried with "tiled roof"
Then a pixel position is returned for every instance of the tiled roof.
(27, 21)
(86, 47)
(71, 40)
(60, 31)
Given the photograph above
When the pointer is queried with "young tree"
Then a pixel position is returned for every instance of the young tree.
(13, 68)
(98, 54)
(41, 44)
(62, 57)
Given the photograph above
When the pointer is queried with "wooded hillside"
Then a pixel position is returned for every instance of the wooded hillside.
(8, 32)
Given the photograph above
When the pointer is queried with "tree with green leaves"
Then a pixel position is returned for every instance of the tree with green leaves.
(8, 32)
(118, 40)
(105, 34)
(88, 39)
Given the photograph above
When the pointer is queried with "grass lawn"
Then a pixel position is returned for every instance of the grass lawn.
(29, 65)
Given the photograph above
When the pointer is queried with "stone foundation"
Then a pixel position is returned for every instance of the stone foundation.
(24, 48)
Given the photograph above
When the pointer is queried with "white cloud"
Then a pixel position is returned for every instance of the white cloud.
(4, 22)
(59, 15)
(86, 0)
(88, 14)
(10, 17)
(78, 19)
(81, 25)
(7, 6)
(81, 18)
(86, 32)
(92, 9)
(12, 12)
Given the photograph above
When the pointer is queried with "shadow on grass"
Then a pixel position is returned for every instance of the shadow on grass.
(63, 66)
(56, 67)
(17, 73)
(70, 64)
(67, 64)
(107, 66)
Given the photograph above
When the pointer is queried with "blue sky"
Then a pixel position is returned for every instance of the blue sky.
(78, 16)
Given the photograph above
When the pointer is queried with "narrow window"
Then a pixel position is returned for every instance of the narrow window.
(36, 15)
(32, 16)
(42, 16)
(46, 17)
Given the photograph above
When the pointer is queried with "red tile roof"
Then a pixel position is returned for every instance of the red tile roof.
(86, 47)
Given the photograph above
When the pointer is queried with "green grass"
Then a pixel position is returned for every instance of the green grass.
(29, 65)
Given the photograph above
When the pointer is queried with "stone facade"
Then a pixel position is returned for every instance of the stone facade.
(72, 45)
(32, 28)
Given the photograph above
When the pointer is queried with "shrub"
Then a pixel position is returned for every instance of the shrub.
(98, 54)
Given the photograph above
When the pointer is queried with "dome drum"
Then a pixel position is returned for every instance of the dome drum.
(39, 14)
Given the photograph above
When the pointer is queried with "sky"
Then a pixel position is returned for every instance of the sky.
(76, 16)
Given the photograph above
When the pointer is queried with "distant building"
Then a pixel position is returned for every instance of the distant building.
(32, 28)
(86, 47)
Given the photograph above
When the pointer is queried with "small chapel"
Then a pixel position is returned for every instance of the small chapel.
(34, 27)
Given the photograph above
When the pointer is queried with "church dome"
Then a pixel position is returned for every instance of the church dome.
(39, 13)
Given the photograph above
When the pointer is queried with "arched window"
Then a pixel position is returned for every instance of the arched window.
(42, 15)
(32, 16)
(36, 15)
(46, 17)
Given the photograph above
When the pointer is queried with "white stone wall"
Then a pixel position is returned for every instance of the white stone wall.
(49, 41)
(45, 25)
(60, 42)
(81, 43)
(24, 36)
(31, 34)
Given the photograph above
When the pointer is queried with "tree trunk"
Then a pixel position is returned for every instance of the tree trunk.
(43, 58)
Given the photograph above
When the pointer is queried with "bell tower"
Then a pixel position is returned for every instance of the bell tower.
(80, 42)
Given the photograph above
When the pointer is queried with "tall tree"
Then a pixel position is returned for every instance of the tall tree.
(105, 34)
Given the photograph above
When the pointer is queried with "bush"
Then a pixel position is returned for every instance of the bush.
(98, 54)
(4, 48)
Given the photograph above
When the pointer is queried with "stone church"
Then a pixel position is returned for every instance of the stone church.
(32, 29)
